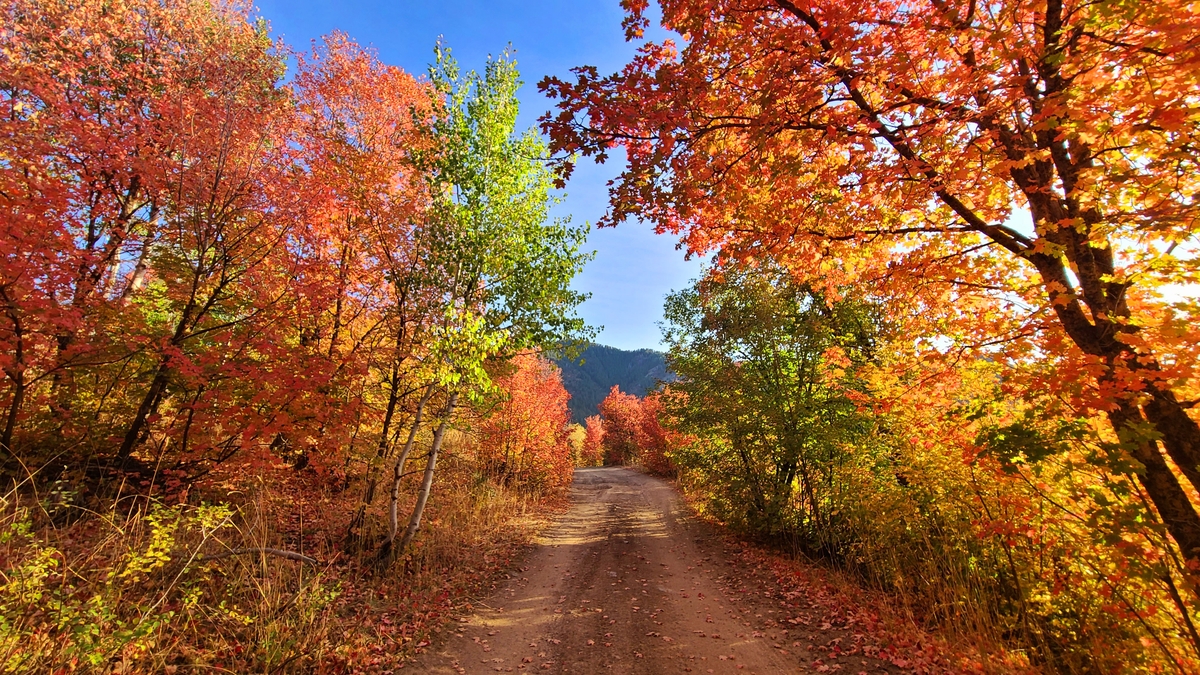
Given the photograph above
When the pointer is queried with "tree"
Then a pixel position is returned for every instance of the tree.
(220, 237)
(74, 206)
(144, 228)
(659, 439)
(366, 303)
(500, 266)
(887, 144)
(766, 388)
(592, 452)
(622, 415)
(524, 440)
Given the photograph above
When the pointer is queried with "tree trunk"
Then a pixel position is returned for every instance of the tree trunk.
(134, 435)
(1180, 433)
(398, 467)
(1162, 485)
(10, 422)
(397, 471)
(1162, 413)
(414, 522)
(138, 278)
(158, 386)
(17, 374)
(381, 450)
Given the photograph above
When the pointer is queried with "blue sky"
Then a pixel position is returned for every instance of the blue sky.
(633, 269)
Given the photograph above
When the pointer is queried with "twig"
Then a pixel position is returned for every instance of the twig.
(290, 555)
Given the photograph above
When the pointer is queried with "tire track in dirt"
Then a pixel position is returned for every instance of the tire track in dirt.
(623, 583)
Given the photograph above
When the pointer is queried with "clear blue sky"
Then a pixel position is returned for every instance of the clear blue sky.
(633, 269)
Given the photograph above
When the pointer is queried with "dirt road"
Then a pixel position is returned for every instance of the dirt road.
(625, 583)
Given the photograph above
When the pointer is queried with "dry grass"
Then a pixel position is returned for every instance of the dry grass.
(135, 588)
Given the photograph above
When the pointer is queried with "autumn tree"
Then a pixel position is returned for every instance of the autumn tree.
(218, 262)
(660, 440)
(766, 388)
(219, 232)
(366, 307)
(888, 145)
(524, 438)
(501, 266)
(622, 414)
(145, 232)
(80, 216)
(592, 451)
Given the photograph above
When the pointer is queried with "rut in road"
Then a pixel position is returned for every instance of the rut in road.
(624, 582)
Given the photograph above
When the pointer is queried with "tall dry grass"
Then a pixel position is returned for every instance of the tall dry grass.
(141, 586)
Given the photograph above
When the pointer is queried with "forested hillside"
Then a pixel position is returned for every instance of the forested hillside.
(589, 378)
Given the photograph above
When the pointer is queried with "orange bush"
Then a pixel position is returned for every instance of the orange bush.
(592, 453)
(633, 432)
(525, 439)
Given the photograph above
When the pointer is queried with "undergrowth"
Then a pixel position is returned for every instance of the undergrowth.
(896, 627)
(149, 587)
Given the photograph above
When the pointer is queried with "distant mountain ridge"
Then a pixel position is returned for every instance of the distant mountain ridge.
(636, 372)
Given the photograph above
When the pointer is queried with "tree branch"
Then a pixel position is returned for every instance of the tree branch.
(290, 555)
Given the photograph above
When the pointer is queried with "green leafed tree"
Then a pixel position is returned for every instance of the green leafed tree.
(500, 263)
(763, 389)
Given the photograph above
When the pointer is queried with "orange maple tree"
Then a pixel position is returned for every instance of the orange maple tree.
(361, 312)
(632, 430)
(592, 451)
(525, 439)
(901, 146)
(623, 438)
(658, 439)
(145, 215)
